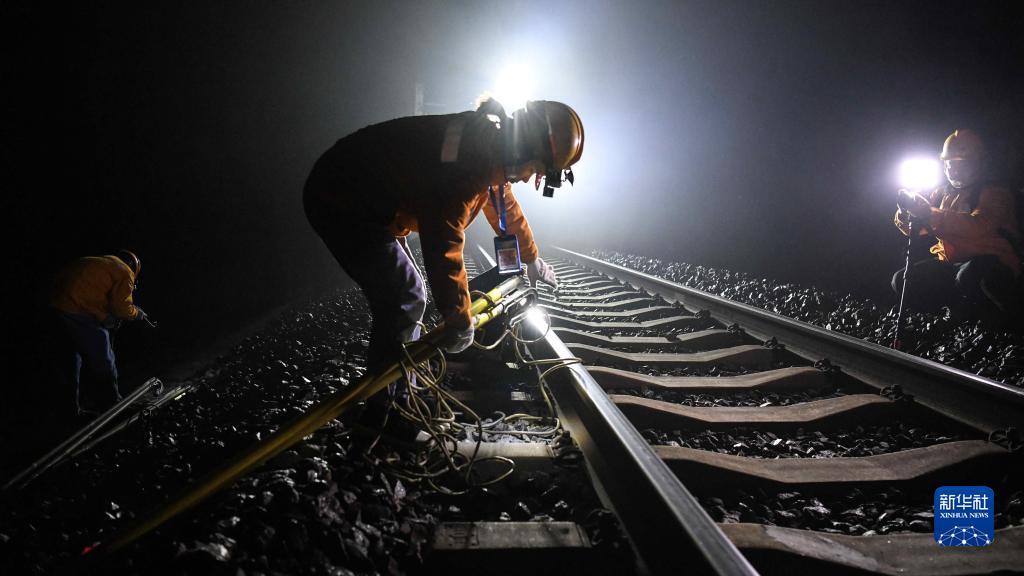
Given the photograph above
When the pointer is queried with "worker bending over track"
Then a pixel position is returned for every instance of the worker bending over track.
(92, 296)
(433, 175)
(976, 264)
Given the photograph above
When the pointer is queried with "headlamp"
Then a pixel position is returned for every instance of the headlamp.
(553, 179)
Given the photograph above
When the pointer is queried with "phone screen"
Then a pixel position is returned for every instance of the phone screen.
(506, 252)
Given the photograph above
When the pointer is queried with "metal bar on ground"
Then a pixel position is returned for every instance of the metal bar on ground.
(174, 394)
(55, 456)
(289, 434)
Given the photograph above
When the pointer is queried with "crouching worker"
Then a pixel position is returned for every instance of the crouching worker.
(92, 296)
(432, 175)
(975, 267)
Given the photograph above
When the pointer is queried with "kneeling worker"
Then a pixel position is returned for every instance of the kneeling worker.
(433, 175)
(975, 224)
(93, 295)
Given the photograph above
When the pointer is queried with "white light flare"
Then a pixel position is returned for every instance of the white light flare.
(918, 174)
(514, 86)
(536, 317)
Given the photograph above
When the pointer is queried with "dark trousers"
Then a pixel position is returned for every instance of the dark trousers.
(89, 345)
(382, 267)
(983, 283)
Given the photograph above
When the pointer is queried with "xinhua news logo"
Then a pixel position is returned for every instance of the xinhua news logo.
(964, 516)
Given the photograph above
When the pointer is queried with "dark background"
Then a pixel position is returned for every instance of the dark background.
(758, 136)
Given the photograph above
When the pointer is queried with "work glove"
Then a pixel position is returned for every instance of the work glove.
(904, 199)
(540, 270)
(458, 340)
(914, 204)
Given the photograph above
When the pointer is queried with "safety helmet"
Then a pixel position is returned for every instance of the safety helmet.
(564, 133)
(129, 258)
(962, 155)
(962, 144)
(551, 132)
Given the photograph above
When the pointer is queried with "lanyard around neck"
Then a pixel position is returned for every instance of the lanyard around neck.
(498, 201)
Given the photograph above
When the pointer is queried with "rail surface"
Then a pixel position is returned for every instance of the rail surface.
(620, 323)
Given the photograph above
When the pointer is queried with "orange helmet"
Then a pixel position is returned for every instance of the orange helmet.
(564, 134)
(551, 132)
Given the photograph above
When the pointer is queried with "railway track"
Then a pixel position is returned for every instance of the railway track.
(730, 440)
(726, 440)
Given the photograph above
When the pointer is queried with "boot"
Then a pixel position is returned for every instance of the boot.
(377, 419)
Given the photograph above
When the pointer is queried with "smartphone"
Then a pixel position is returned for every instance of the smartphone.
(506, 252)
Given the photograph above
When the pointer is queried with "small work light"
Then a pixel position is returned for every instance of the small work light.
(918, 174)
(537, 318)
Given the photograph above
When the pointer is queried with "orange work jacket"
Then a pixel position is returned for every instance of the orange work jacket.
(97, 286)
(430, 174)
(964, 232)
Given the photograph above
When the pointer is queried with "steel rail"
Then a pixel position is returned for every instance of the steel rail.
(973, 400)
(667, 526)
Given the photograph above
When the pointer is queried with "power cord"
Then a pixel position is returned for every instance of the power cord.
(445, 419)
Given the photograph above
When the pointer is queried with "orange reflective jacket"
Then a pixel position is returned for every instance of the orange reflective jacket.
(430, 174)
(964, 232)
(97, 286)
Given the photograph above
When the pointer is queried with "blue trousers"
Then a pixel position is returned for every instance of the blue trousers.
(90, 347)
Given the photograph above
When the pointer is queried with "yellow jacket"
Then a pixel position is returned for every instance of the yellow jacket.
(97, 286)
(966, 229)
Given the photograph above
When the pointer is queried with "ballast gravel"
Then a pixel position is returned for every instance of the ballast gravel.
(856, 512)
(866, 440)
(321, 507)
(751, 399)
(964, 343)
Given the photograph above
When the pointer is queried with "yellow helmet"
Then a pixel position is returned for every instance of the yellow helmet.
(962, 144)
(963, 155)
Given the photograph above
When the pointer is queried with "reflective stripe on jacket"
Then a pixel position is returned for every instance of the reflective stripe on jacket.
(96, 286)
(964, 232)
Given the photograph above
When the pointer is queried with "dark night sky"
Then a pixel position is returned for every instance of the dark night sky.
(758, 136)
